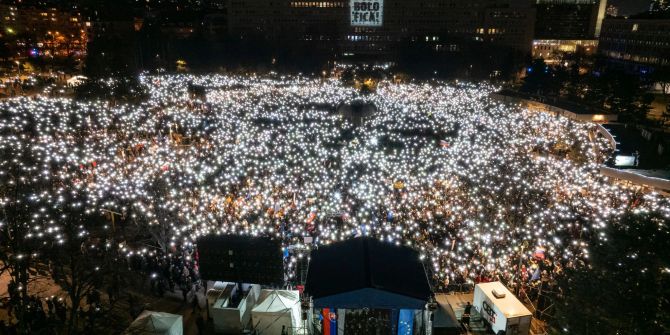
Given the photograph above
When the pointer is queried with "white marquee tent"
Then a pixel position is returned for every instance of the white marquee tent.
(156, 323)
(276, 308)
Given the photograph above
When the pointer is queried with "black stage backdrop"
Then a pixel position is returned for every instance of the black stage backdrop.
(241, 259)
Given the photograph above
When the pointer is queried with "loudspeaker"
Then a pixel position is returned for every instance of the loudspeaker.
(241, 259)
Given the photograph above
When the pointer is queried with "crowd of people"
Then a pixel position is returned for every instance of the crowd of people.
(177, 270)
(45, 315)
(479, 187)
(361, 322)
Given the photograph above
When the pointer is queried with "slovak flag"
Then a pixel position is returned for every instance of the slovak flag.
(329, 317)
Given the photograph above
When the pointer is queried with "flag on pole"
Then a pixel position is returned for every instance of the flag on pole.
(536, 274)
(329, 317)
(333, 321)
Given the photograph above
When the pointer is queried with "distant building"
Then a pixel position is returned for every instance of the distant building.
(552, 51)
(30, 31)
(567, 27)
(569, 19)
(637, 44)
(351, 27)
(612, 10)
(215, 25)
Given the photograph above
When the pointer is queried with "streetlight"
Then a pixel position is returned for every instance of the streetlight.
(18, 65)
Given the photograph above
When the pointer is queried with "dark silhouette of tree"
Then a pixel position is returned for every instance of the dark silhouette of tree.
(21, 222)
(81, 261)
(541, 79)
(112, 49)
(625, 288)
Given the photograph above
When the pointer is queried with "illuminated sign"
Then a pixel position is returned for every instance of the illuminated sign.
(368, 13)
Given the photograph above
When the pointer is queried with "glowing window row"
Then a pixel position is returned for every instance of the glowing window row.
(317, 4)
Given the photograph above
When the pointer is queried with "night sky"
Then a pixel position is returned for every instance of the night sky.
(628, 7)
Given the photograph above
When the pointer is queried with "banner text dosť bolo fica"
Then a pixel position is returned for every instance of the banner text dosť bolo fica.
(367, 13)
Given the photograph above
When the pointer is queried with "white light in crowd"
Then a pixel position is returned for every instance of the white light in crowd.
(468, 181)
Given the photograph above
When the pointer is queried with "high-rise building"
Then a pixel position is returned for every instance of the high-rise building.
(566, 27)
(637, 44)
(569, 19)
(32, 31)
(553, 51)
(379, 26)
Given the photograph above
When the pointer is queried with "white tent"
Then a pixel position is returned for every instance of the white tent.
(276, 308)
(156, 323)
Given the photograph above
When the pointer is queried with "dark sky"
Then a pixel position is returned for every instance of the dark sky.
(627, 7)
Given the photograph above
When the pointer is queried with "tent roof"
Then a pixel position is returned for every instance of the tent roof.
(388, 276)
(150, 322)
(276, 301)
(445, 316)
(276, 308)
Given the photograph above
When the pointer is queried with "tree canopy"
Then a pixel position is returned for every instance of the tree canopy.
(624, 289)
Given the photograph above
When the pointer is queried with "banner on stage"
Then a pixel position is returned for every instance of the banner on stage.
(406, 322)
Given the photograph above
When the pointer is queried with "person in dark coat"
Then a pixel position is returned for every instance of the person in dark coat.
(200, 323)
(195, 303)
(465, 319)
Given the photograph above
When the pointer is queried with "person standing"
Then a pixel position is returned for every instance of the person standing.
(195, 303)
(184, 293)
(465, 319)
(200, 323)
